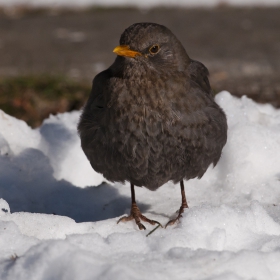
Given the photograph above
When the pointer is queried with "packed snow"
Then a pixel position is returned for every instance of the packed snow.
(58, 217)
(141, 4)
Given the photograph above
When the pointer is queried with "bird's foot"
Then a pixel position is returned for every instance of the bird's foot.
(180, 212)
(137, 216)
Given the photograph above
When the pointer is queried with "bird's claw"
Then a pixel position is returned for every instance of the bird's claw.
(180, 212)
(129, 218)
(125, 219)
(173, 221)
(137, 216)
(141, 226)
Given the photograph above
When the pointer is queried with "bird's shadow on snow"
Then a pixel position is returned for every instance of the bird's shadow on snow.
(27, 184)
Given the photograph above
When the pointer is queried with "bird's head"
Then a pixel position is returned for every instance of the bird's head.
(153, 45)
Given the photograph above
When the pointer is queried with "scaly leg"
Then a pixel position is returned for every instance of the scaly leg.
(136, 214)
(184, 205)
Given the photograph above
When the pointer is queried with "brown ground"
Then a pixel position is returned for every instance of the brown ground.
(240, 47)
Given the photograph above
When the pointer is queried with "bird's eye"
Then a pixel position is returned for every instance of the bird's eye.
(154, 49)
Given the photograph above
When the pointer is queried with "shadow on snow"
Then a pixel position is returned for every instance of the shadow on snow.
(27, 184)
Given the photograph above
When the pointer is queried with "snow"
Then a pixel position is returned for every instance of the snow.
(141, 4)
(58, 217)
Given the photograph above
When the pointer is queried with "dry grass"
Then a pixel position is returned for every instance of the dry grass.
(33, 98)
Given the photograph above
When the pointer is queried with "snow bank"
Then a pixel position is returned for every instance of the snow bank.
(143, 3)
(58, 217)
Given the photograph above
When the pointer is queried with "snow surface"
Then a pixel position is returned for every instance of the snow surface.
(58, 220)
(143, 3)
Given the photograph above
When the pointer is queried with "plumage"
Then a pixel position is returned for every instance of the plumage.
(152, 118)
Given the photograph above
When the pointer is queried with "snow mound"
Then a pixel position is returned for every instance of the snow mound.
(58, 217)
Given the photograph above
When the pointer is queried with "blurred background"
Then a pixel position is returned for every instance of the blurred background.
(51, 50)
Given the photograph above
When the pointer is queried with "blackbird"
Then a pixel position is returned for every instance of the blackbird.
(151, 116)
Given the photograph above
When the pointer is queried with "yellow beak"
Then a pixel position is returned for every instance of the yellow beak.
(124, 50)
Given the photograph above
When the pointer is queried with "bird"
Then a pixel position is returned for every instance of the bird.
(151, 117)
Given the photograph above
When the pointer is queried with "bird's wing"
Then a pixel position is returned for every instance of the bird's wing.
(199, 74)
(97, 97)
(94, 110)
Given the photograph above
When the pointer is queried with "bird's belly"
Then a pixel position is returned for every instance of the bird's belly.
(149, 151)
(148, 156)
(144, 161)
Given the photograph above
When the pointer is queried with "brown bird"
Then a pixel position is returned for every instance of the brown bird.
(151, 116)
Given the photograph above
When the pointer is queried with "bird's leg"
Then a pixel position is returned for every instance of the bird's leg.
(184, 205)
(136, 214)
